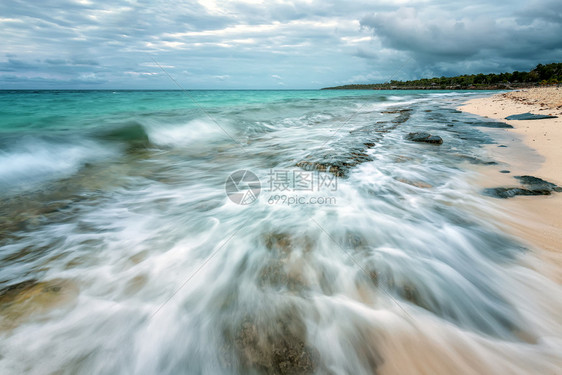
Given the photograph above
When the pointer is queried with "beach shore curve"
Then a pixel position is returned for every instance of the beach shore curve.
(535, 219)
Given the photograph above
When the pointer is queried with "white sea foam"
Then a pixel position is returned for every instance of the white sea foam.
(190, 133)
(33, 160)
(404, 275)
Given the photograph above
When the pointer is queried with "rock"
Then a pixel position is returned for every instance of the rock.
(280, 272)
(531, 186)
(20, 301)
(394, 111)
(424, 137)
(474, 160)
(491, 124)
(509, 192)
(273, 345)
(336, 170)
(529, 116)
(404, 115)
(273, 275)
(535, 183)
(338, 165)
(280, 243)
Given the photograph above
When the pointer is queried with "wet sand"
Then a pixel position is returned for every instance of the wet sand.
(535, 219)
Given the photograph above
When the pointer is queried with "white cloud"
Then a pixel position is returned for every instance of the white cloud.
(157, 65)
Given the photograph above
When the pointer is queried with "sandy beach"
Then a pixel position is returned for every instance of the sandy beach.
(536, 219)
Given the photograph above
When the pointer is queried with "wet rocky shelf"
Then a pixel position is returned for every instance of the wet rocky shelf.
(353, 150)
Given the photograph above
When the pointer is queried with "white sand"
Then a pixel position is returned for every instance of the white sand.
(536, 219)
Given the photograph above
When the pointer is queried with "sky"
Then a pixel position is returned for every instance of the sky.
(275, 44)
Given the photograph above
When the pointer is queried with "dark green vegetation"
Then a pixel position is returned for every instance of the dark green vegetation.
(549, 74)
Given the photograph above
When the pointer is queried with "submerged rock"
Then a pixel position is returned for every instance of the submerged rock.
(337, 165)
(418, 184)
(404, 115)
(336, 170)
(275, 345)
(18, 302)
(424, 137)
(529, 116)
(394, 111)
(475, 160)
(280, 271)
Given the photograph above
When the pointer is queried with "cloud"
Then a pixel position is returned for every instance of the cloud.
(449, 39)
(236, 43)
(222, 77)
(245, 40)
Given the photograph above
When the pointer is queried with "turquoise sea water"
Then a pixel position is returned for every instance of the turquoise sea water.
(67, 124)
(67, 109)
(125, 247)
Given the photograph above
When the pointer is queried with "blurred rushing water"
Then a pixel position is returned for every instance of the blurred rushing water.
(363, 253)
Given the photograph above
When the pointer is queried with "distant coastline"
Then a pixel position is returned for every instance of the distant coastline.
(383, 86)
(541, 75)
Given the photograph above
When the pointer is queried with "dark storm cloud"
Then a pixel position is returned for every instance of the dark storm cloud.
(252, 43)
(450, 40)
(13, 65)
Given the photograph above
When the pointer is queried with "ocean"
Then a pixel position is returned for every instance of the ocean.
(259, 232)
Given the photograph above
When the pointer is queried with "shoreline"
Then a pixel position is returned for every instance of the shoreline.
(434, 88)
(534, 147)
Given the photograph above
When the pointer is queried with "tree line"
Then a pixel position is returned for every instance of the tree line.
(549, 74)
